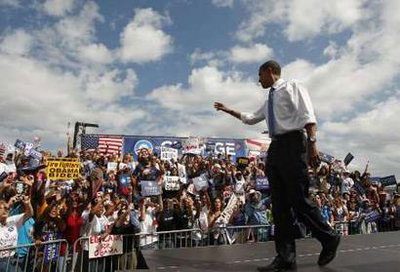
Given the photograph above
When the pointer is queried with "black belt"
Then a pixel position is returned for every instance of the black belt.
(288, 135)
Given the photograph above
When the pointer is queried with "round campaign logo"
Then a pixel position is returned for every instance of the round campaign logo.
(143, 144)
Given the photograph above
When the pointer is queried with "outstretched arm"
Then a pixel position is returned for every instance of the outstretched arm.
(221, 107)
(247, 118)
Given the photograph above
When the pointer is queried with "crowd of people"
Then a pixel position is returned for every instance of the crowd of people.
(108, 199)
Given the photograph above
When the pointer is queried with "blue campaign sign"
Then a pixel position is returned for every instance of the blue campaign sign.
(326, 157)
(20, 144)
(262, 183)
(150, 188)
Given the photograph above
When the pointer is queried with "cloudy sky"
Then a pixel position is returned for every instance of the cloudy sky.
(155, 68)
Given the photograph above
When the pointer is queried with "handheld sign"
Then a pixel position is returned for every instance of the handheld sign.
(348, 159)
(168, 153)
(192, 145)
(150, 188)
(228, 211)
(326, 158)
(262, 183)
(171, 183)
(110, 245)
(19, 144)
(63, 169)
(200, 182)
(242, 163)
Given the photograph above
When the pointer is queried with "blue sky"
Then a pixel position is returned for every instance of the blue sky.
(155, 68)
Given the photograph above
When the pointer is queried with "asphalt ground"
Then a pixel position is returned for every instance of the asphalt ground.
(374, 252)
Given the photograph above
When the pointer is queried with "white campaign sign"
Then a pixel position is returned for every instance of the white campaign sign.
(102, 247)
(171, 183)
(168, 153)
(228, 211)
(192, 145)
(182, 173)
(112, 166)
(200, 182)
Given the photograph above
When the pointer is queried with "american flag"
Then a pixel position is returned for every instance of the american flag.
(106, 145)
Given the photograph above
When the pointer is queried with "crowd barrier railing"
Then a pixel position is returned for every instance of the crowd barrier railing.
(53, 255)
(46, 256)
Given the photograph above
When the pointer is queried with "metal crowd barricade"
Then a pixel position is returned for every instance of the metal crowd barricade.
(189, 238)
(46, 256)
(122, 262)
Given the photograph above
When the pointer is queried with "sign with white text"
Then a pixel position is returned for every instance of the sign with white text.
(101, 247)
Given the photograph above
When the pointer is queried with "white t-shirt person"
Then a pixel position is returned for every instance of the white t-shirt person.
(9, 234)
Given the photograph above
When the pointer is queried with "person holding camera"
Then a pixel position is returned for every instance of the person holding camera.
(289, 114)
(9, 229)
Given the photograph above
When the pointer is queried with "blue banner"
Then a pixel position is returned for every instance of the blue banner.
(387, 181)
(233, 147)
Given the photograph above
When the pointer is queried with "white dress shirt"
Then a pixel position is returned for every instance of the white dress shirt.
(292, 108)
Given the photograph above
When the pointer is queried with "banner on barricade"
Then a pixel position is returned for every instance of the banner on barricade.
(228, 211)
(262, 183)
(150, 188)
(102, 247)
(63, 169)
(171, 183)
(168, 153)
(372, 216)
(387, 181)
(51, 251)
(200, 182)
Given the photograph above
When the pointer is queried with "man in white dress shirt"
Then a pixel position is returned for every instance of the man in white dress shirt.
(291, 123)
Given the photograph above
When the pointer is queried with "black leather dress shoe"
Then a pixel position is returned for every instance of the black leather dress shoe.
(278, 265)
(328, 252)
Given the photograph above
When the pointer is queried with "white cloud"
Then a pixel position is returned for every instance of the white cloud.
(18, 42)
(223, 3)
(193, 106)
(302, 19)
(143, 39)
(109, 87)
(46, 99)
(255, 53)
(372, 136)
(96, 53)
(58, 7)
(59, 73)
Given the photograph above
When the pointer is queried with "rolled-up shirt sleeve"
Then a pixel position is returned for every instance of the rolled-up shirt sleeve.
(253, 118)
(305, 107)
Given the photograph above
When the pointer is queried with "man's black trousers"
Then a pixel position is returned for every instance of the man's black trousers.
(287, 173)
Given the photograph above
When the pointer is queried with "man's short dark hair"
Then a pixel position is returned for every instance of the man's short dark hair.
(275, 67)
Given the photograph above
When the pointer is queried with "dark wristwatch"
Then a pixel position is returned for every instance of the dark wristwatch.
(312, 139)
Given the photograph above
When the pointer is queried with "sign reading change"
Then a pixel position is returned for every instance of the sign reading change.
(63, 169)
